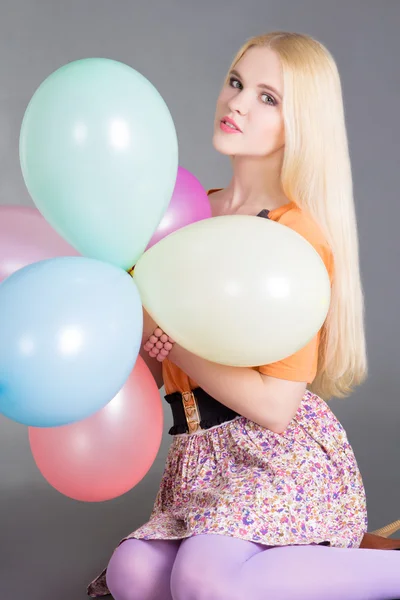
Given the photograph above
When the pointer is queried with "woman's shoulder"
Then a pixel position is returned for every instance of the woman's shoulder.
(303, 223)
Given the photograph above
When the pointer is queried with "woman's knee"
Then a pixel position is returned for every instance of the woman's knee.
(134, 573)
(190, 583)
(123, 573)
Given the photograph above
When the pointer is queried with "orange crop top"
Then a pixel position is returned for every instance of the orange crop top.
(301, 366)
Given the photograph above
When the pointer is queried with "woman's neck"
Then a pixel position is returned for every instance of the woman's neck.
(255, 183)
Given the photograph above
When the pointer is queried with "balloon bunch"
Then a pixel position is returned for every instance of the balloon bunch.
(99, 157)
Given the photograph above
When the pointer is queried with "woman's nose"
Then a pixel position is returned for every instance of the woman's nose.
(239, 103)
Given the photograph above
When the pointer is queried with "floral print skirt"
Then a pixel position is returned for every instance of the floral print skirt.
(302, 486)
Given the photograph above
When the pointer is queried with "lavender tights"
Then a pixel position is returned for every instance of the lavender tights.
(217, 567)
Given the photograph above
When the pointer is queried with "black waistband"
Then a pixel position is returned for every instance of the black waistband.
(211, 411)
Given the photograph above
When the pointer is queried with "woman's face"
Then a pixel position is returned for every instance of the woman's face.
(252, 99)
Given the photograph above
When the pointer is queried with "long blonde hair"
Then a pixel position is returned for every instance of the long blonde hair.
(316, 175)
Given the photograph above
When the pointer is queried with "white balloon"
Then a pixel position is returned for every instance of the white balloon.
(237, 290)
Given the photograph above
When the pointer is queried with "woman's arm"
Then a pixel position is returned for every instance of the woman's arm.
(270, 402)
(265, 400)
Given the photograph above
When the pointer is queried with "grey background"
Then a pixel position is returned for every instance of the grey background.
(50, 546)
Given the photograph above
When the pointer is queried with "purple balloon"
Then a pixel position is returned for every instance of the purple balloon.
(26, 237)
(189, 203)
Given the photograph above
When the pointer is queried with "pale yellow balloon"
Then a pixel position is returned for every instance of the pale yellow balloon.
(237, 290)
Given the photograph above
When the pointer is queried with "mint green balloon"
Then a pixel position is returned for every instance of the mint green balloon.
(99, 156)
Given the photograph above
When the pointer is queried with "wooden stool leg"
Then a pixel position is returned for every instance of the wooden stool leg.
(388, 529)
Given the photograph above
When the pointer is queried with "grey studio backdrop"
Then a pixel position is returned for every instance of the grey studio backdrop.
(51, 546)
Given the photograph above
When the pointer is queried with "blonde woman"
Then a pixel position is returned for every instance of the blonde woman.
(261, 497)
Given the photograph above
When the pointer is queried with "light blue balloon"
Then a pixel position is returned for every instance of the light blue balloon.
(70, 333)
(99, 156)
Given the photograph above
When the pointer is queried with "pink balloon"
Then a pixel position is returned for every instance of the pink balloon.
(26, 237)
(189, 203)
(107, 454)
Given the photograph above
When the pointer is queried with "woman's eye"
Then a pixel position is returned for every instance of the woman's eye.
(267, 99)
(234, 81)
(270, 99)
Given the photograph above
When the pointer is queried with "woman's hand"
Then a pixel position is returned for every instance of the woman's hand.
(154, 365)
